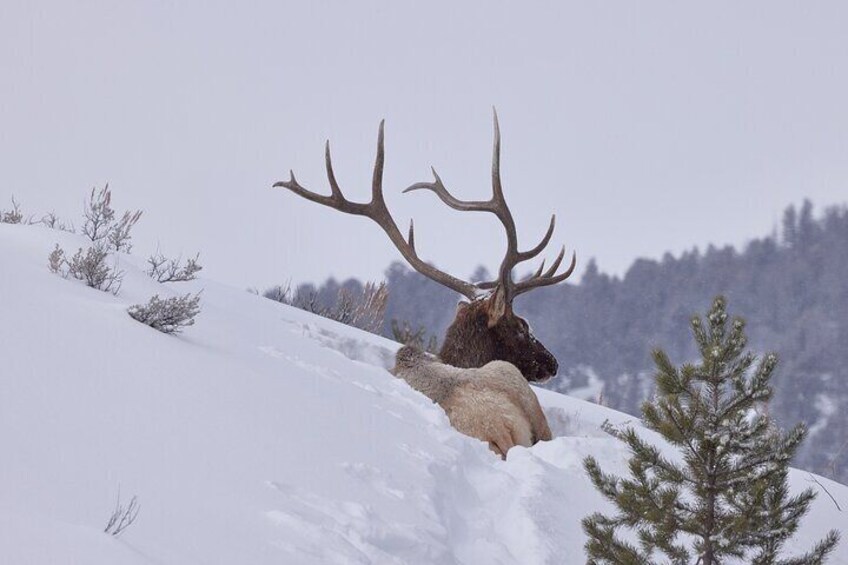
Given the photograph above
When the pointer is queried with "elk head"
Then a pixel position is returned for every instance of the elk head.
(485, 328)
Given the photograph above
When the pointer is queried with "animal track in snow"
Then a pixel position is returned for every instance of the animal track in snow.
(373, 477)
(295, 360)
(351, 347)
(345, 532)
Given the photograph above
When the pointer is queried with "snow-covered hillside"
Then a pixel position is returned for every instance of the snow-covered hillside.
(263, 434)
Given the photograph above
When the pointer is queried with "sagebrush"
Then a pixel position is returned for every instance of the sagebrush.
(103, 226)
(107, 235)
(13, 216)
(169, 315)
(164, 270)
(90, 266)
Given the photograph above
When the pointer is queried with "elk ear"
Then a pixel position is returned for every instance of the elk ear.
(497, 307)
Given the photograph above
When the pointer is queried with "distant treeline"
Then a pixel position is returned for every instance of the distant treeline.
(791, 287)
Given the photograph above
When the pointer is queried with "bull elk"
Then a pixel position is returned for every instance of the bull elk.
(485, 328)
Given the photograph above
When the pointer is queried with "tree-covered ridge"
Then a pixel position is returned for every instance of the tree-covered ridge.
(791, 287)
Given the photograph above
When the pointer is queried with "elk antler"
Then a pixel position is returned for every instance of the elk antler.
(376, 210)
(497, 205)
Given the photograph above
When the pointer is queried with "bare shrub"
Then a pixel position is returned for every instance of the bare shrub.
(122, 517)
(279, 293)
(13, 216)
(16, 216)
(403, 333)
(309, 301)
(171, 270)
(56, 260)
(345, 309)
(52, 221)
(365, 310)
(168, 316)
(370, 310)
(305, 299)
(89, 266)
(98, 214)
(100, 224)
(106, 234)
(119, 236)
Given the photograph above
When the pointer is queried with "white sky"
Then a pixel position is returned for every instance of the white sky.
(645, 127)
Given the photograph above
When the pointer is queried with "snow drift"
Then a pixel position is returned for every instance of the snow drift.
(264, 434)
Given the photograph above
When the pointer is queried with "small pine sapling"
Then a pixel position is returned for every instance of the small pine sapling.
(727, 497)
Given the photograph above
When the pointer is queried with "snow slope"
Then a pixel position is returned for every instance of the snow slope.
(263, 434)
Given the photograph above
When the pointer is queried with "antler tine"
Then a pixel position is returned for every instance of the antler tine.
(336, 199)
(538, 272)
(295, 187)
(512, 256)
(331, 176)
(530, 253)
(377, 179)
(496, 204)
(497, 188)
(445, 196)
(548, 277)
(555, 265)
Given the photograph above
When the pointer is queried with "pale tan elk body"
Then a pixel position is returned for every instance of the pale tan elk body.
(485, 328)
(492, 403)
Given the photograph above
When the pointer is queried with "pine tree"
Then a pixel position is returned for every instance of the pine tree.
(725, 498)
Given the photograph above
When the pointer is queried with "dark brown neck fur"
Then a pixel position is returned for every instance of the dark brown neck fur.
(467, 342)
(471, 342)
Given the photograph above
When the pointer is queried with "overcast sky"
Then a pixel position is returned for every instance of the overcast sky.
(645, 126)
